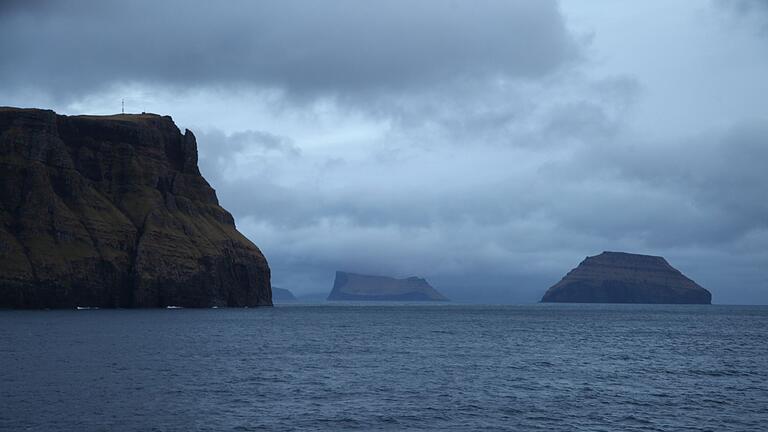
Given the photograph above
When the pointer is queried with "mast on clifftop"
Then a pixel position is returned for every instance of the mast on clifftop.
(122, 109)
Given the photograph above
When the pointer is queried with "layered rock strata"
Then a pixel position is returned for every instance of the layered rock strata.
(357, 287)
(112, 211)
(617, 277)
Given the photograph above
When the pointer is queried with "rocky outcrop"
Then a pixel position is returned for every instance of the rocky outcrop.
(282, 295)
(357, 287)
(111, 211)
(617, 277)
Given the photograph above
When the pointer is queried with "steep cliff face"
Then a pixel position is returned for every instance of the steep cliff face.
(111, 211)
(617, 277)
(356, 287)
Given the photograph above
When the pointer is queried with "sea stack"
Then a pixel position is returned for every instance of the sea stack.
(618, 277)
(111, 211)
(357, 287)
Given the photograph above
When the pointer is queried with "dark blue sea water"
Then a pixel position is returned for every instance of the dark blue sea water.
(387, 367)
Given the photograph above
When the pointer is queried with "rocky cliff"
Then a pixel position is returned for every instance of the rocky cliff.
(357, 287)
(617, 277)
(111, 211)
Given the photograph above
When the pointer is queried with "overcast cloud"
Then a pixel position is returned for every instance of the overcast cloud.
(487, 145)
(297, 45)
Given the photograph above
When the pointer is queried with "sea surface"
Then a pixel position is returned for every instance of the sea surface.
(387, 367)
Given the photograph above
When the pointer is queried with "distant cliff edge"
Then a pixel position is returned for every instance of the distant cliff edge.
(618, 277)
(111, 211)
(357, 287)
(282, 295)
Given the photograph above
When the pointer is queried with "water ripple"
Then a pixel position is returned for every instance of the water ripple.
(538, 367)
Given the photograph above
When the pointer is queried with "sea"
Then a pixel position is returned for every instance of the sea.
(389, 367)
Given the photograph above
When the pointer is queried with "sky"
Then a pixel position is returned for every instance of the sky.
(487, 145)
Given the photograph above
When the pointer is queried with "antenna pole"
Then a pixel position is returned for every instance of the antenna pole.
(123, 106)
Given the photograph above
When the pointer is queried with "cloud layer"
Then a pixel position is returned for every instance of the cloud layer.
(298, 45)
(488, 146)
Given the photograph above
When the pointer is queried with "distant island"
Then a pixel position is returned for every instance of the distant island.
(357, 287)
(282, 295)
(111, 211)
(618, 277)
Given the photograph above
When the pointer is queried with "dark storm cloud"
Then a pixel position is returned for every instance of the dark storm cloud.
(299, 45)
